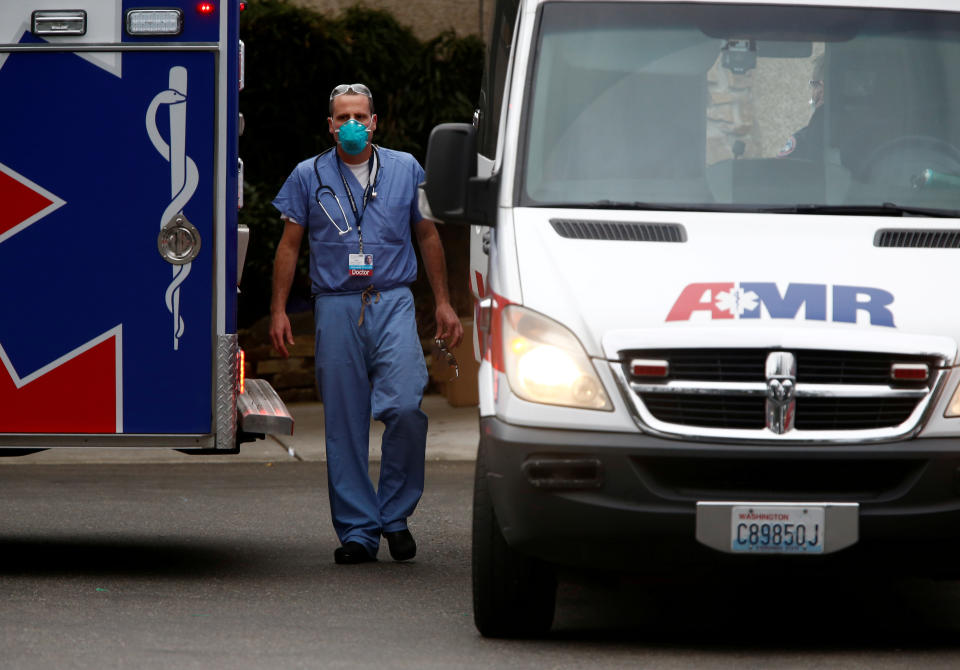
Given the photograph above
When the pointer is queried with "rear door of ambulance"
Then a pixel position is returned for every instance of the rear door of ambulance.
(105, 139)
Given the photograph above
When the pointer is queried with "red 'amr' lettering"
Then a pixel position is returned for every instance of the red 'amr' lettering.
(700, 298)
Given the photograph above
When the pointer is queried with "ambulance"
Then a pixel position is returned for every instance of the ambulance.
(715, 252)
(120, 251)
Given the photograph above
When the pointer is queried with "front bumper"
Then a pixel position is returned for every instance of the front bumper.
(624, 500)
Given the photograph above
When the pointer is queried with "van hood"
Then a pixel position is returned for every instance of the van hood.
(736, 280)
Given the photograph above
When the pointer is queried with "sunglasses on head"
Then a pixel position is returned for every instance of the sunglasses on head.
(356, 89)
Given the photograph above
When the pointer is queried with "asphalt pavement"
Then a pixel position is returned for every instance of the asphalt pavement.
(135, 558)
(452, 435)
(208, 566)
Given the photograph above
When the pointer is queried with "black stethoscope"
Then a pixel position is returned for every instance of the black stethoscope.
(370, 191)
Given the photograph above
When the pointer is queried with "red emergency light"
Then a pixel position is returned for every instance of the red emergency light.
(641, 367)
(910, 372)
(206, 8)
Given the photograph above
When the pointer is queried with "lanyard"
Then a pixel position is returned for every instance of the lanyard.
(358, 215)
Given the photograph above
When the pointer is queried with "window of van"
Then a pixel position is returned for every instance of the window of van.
(743, 108)
(495, 75)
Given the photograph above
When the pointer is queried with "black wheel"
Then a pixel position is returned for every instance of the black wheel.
(513, 595)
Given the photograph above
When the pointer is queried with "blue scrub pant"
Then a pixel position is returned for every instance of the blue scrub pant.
(377, 367)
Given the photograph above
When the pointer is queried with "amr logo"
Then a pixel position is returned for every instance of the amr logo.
(184, 176)
(756, 300)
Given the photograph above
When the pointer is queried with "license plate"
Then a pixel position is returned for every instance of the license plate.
(773, 529)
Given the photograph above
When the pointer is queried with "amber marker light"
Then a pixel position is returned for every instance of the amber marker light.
(241, 372)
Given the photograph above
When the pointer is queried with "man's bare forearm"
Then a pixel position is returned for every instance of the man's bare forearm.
(434, 262)
(285, 266)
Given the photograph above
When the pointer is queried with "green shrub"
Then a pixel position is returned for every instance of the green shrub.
(294, 57)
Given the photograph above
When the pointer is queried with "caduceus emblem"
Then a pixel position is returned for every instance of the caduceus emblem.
(184, 176)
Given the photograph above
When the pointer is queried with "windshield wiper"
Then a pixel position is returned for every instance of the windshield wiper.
(617, 204)
(886, 209)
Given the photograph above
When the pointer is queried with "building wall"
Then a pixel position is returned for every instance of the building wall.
(427, 18)
(761, 108)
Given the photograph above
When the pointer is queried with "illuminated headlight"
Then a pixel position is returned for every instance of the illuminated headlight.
(144, 22)
(545, 363)
(953, 409)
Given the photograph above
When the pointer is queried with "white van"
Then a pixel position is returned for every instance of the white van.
(716, 249)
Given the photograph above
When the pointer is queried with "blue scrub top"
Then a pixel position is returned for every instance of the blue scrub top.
(386, 221)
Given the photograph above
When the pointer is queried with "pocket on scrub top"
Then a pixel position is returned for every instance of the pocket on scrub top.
(321, 227)
(391, 223)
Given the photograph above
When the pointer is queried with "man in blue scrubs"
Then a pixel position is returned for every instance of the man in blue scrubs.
(358, 206)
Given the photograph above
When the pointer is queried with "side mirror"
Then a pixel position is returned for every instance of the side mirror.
(451, 185)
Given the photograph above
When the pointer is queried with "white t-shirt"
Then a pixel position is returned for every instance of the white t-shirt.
(362, 170)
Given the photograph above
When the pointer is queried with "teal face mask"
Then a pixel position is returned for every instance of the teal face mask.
(353, 137)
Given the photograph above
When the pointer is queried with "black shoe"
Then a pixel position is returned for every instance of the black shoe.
(402, 546)
(352, 552)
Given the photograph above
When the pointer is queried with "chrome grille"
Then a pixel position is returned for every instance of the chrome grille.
(724, 390)
(853, 413)
(704, 410)
(816, 366)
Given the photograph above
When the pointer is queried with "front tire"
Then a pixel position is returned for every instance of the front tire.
(513, 595)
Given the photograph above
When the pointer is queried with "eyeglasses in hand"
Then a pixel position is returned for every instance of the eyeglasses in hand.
(448, 357)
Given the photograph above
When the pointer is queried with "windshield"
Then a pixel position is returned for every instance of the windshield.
(743, 107)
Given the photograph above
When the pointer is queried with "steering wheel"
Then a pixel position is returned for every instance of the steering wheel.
(898, 160)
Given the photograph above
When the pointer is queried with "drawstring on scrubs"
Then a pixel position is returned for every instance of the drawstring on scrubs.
(365, 300)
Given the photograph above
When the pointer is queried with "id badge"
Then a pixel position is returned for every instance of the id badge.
(360, 265)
